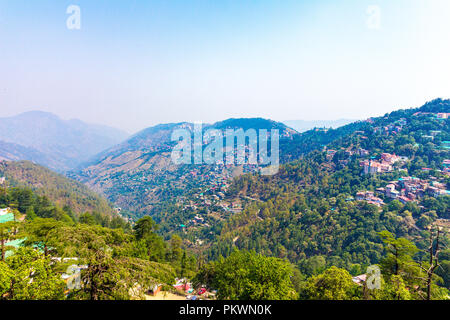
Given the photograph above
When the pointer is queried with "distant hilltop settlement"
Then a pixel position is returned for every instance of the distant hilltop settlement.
(406, 188)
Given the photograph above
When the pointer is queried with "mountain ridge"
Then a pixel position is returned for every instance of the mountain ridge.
(63, 144)
(305, 125)
(141, 166)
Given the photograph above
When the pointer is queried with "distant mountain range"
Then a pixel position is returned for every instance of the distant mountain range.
(16, 152)
(305, 125)
(64, 145)
(46, 139)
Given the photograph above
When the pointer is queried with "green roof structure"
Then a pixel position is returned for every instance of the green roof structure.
(7, 217)
(14, 243)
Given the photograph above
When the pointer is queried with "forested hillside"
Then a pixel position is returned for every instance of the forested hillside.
(328, 208)
(309, 208)
(57, 188)
(47, 253)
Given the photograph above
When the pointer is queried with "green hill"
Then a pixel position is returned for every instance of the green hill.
(310, 210)
(59, 189)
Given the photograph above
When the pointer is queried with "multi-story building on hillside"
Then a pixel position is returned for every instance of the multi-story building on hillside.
(385, 164)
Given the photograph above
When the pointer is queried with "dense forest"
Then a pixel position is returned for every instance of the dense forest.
(116, 256)
(56, 187)
(307, 212)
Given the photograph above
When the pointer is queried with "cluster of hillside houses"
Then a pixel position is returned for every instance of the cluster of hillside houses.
(384, 164)
(440, 115)
(392, 128)
(405, 189)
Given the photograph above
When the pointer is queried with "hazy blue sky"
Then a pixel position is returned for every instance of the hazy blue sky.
(138, 63)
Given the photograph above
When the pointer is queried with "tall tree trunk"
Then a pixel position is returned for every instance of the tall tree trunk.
(3, 249)
(429, 286)
(365, 291)
(430, 272)
(93, 270)
(396, 262)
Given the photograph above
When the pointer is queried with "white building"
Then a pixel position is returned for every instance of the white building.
(4, 211)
